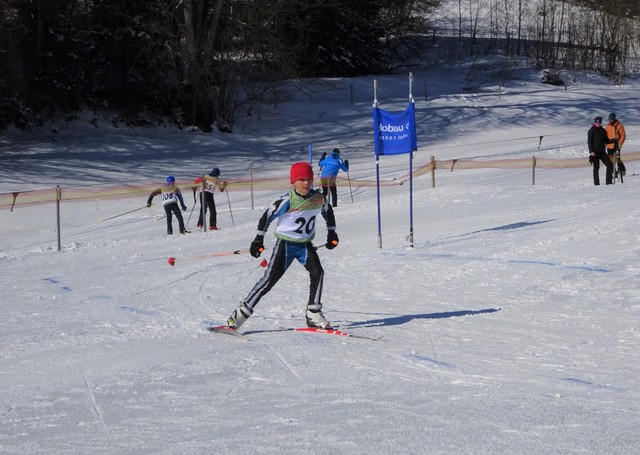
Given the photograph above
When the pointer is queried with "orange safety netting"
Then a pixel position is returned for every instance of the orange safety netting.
(45, 196)
(49, 195)
(523, 163)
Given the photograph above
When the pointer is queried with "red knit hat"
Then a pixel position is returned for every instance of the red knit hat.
(300, 171)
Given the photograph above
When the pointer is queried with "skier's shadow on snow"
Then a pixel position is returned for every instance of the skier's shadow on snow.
(398, 320)
(509, 227)
(505, 227)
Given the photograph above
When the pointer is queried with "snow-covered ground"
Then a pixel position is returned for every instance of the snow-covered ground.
(511, 327)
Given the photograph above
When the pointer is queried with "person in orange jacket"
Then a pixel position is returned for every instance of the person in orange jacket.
(617, 136)
(212, 184)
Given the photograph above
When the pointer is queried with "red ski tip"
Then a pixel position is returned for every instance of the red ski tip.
(264, 263)
(172, 261)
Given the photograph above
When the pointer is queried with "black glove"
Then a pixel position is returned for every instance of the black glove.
(346, 163)
(184, 208)
(257, 246)
(332, 240)
(324, 155)
(148, 203)
(592, 159)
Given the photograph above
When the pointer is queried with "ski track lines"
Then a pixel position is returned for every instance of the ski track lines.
(549, 357)
(119, 399)
(411, 363)
(315, 361)
(312, 365)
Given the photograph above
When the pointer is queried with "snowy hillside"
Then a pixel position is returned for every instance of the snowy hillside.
(511, 327)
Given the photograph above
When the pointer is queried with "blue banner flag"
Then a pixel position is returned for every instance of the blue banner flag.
(394, 133)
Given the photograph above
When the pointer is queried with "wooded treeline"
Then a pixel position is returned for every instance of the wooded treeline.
(192, 61)
(577, 35)
(199, 62)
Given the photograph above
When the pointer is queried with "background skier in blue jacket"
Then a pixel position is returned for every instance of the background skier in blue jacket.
(331, 165)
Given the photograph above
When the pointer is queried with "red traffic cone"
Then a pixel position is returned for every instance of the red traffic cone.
(172, 261)
(264, 263)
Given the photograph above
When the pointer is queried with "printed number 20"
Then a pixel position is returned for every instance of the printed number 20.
(305, 226)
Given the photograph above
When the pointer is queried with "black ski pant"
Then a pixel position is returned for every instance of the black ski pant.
(170, 210)
(283, 255)
(329, 185)
(210, 204)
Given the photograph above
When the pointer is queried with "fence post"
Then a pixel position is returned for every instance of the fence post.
(433, 171)
(533, 170)
(58, 197)
(251, 186)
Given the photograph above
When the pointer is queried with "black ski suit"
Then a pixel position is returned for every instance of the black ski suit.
(597, 140)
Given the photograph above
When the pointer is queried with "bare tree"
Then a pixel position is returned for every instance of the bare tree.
(201, 22)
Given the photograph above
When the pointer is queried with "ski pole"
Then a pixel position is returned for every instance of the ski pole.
(190, 213)
(172, 260)
(348, 176)
(125, 213)
(194, 206)
(324, 245)
(230, 212)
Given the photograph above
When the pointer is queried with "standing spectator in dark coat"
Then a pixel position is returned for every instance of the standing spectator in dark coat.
(597, 140)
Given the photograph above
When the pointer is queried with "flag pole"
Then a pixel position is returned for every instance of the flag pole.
(376, 119)
(410, 237)
(203, 204)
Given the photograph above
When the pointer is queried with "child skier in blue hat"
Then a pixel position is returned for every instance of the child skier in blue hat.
(171, 196)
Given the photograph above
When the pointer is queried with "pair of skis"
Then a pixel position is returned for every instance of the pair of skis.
(616, 166)
(226, 330)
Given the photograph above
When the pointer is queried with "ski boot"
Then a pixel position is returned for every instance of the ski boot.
(316, 319)
(239, 316)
